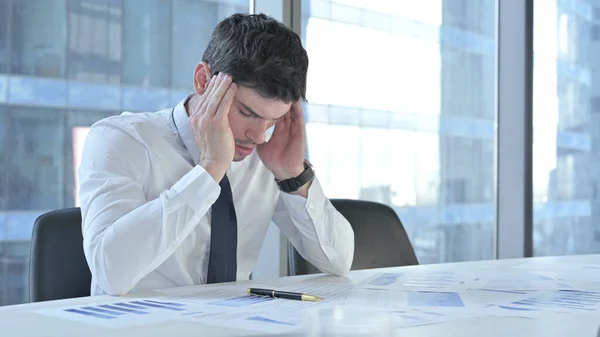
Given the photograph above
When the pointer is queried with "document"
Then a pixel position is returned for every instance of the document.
(568, 272)
(414, 317)
(549, 265)
(483, 298)
(258, 321)
(229, 305)
(535, 304)
(336, 294)
(390, 300)
(523, 281)
(123, 312)
(409, 308)
(448, 281)
(279, 315)
(437, 280)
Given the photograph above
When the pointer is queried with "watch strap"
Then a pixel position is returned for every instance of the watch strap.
(293, 184)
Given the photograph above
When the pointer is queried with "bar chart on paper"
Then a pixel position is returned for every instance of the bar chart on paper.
(123, 313)
(566, 301)
(116, 310)
(434, 280)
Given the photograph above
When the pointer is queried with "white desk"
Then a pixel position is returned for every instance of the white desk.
(21, 320)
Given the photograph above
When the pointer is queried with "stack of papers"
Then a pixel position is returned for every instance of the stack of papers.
(408, 298)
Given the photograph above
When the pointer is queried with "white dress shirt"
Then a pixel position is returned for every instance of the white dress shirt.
(146, 202)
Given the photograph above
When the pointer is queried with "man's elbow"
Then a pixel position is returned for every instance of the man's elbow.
(115, 289)
(112, 283)
(109, 279)
(342, 263)
(342, 267)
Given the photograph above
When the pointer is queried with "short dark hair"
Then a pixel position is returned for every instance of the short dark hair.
(261, 53)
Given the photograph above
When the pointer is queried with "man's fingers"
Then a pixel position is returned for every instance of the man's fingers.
(297, 114)
(211, 85)
(207, 94)
(280, 131)
(214, 99)
(225, 105)
(198, 107)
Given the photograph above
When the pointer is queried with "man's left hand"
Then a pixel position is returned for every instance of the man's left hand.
(284, 153)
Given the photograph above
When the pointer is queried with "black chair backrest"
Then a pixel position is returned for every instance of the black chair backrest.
(58, 269)
(379, 238)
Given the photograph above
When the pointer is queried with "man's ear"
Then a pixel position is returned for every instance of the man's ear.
(201, 77)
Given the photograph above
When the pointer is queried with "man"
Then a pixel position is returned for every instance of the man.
(184, 196)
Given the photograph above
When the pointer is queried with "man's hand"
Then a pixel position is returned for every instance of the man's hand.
(284, 153)
(209, 123)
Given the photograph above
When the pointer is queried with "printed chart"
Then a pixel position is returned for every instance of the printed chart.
(434, 299)
(122, 313)
(562, 301)
(434, 280)
(414, 317)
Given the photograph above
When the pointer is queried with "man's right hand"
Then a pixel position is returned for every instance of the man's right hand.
(209, 123)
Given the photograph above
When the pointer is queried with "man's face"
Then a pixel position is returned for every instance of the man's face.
(250, 116)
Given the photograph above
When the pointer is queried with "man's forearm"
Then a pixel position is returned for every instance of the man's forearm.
(117, 257)
(317, 230)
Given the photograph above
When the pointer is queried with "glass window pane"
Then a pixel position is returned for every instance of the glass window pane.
(35, 178)
(402, 112)
(566, 93)
(13, 273)
(192, 25)
(37, 28)
(4, 36)
(146, 42)
(82, 60)
(94, 40)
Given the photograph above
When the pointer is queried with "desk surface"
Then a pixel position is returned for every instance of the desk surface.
(24, 320)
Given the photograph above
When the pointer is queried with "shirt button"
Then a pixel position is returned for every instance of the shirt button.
(311, 205)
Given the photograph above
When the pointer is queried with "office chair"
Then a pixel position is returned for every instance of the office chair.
(57, 266)
(379, 238)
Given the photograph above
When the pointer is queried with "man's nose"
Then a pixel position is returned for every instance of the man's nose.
(257, 131)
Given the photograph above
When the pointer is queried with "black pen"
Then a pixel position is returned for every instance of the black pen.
(283, 294)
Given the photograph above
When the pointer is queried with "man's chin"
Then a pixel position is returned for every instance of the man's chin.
(239, 157)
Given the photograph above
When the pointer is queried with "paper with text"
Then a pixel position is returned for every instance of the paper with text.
(436, 280)
(561, 301)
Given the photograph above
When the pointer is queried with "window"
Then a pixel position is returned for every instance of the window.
(146, 41)
(34, 176)
(94, 40)
(13, 272)
(189, 18)
(37, 28)
(73, 62)
(4, 36)
(566, 133)
(402, 112)
(595, 105)
(595, 34)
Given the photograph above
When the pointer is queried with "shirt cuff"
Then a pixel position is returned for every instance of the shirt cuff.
(197, 189)
(304, 207)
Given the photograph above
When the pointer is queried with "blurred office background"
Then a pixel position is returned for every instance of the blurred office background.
(401, 109)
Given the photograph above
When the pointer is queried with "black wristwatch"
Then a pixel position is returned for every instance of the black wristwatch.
(293, 184)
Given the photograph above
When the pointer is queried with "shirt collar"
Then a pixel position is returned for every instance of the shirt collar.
(181, 118)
